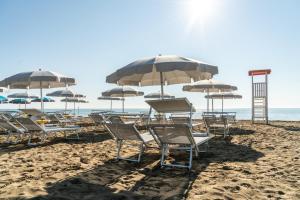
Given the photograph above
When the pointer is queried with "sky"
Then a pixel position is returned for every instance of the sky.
(90, 39)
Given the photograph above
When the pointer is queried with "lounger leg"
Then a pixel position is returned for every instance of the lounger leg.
(7, 137)
(141, 152)
(191, 158)
(119, 146)
(163, 151)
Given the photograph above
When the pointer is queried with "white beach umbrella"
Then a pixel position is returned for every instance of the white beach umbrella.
(162, 70)
(207, 86)
(64, 93)
(122, 92)
(111, 99)
(75, 100)
(157, 95)
(37, 80)
(23, 95)
(223, 96)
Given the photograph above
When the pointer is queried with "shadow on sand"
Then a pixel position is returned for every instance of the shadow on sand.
(125, 180)
(88, 137)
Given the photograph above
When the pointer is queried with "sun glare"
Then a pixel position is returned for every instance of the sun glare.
(200, 12)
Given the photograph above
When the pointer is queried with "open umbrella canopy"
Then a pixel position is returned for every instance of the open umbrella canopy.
(122, 92)
(109, 98)
(24, 95)
(162, 70)
(157, 95)
(61, 93)
(74, 100)
(209, 86)
(3, 99)
(45, 99)
(224, 96)
(19, 101)
(36, 80)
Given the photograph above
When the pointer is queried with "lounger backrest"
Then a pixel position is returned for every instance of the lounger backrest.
(5, 124)
(29, 124)
(173, 133)
(116, 119)
(97, 118)
(53, 118)
(32, 112)
(209, 120)
(180, 120)
(171, 105)
(123, 131)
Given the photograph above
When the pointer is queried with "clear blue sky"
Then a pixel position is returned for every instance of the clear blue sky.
(91, 39)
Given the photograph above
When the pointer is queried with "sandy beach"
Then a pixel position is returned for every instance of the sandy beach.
(256, 162)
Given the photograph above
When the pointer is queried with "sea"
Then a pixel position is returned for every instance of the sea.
(285, 114)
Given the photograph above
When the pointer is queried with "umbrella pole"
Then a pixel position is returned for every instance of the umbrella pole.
(41, 94)
(212, 105)
(66, 104)
(74, 109)
(110, 105)
(123, 100)
(161, 86)
(222, 103)
(207, 99)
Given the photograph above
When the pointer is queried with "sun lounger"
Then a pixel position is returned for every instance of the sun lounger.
(35, 129)
(11, 130)
(214, 124)
(180, 137)
(128, 132)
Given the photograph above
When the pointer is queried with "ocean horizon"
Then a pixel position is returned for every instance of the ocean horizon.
(284, 114)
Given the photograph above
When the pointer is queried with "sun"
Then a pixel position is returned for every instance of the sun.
(200, 12)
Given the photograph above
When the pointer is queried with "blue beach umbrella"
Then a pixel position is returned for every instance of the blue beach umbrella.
(45, 99)
(3, 99)
(20, 101)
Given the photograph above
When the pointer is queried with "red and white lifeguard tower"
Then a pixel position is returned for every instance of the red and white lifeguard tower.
(260, 96)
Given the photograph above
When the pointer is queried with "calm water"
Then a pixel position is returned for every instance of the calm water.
(292, 114)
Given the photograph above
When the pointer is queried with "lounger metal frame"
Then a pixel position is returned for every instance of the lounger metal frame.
(119, 131)
(35, 129)
(190, 145)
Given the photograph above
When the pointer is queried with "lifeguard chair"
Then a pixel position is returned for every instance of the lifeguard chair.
(260, 96)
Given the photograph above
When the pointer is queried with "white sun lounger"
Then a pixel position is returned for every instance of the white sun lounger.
(11, 130)
(129, 132)
(180, 137)
(35, 129)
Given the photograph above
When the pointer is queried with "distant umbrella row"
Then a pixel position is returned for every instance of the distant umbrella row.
(159, 70)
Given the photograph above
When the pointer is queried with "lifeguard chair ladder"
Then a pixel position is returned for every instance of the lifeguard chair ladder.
(260, 96)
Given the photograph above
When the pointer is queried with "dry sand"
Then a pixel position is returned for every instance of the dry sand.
(256, 162)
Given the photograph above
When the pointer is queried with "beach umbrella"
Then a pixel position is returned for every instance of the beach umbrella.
(23, 95)
(37, 80)
(162, 70)
(223, 96)
(3, 99)
(207, 86)
(157, 95)
(62, 93)
(20, 101)
(122, 92)
(111, 99)
(45, 99)
(75, 100)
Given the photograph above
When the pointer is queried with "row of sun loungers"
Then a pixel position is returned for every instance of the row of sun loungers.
(179, 132)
